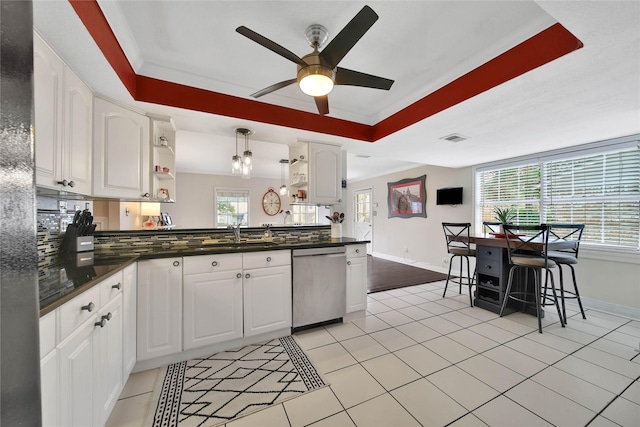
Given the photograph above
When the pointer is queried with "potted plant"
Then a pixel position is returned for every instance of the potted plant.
(504, 215)
(336, 224)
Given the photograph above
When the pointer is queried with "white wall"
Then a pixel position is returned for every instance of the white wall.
(195, 197)
(423, 237)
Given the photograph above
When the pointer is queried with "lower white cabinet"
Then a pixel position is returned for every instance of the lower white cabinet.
(49, 370)
(356, 278)
(266, 291)
(212, 299)
(159, 308)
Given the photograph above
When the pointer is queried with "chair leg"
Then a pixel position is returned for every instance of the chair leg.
(575, 287)
(537, 284)
(469, 281)
(555, 297)
(505, 297)
(564, 311)
(460, 278)
(448, 276)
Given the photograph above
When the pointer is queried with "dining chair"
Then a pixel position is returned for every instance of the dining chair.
(489, 227)
(527, 247)
(457, 237)
(570, 234)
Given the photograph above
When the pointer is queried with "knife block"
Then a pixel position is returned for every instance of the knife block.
(74, 243)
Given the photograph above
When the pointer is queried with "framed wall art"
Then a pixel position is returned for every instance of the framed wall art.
(407, 198)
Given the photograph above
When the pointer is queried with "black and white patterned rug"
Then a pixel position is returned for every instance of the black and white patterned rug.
(216, 389)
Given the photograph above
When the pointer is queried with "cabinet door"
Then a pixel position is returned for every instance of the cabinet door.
(48, 78)
(49, 389)
(159, 307)
(325, 173)
(78, 136)
(356, 284)
(77, 377)
(129, 327)
(267, 300)
(108, 359)
(121, 152)
(212, 308)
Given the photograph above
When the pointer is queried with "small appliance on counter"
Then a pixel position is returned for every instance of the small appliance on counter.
(79, 234)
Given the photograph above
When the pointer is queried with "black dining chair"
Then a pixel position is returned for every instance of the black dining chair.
(457, 237)
(570, 234)
(489, 227)
(527, 247)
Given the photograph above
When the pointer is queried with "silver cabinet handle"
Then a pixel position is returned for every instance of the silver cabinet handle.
(102, 322)
(89, 307)
(176, 263)
(489, 252)
(66, 183)
(268, 259)
(246, 276)
(117, 286)
(108, 316)
(146, 195)
(348, 262)
(239, 275)
(357, 251)
(214, 264)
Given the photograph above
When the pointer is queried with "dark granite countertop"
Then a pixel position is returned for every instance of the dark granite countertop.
(72, 275)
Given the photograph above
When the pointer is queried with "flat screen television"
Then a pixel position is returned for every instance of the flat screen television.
(449, 196)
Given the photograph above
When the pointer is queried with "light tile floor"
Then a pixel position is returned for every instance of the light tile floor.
(419, 359)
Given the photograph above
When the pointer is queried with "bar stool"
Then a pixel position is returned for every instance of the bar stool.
(457, 237)
(571, 234)
(491, 227)
(529, 252)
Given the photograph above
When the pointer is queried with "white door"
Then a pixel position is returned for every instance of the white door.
(363, 221)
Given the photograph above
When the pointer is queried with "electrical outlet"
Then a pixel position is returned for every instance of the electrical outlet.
(62, 205)
(445, 261)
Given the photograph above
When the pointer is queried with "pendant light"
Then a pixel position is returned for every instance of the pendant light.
(236, 161)
(243, 164)
(283, 186)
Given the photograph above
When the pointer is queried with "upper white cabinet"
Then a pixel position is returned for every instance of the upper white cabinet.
(63, 107)
(121, 152)
(163, 159)
(315, 173)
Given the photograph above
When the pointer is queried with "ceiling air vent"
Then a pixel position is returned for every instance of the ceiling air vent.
(454, 137)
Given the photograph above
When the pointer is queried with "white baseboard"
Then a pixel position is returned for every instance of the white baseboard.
(414, 263)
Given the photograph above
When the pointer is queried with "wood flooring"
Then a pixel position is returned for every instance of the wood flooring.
(384, 275)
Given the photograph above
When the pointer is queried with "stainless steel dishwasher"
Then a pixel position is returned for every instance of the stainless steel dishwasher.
(319, 286)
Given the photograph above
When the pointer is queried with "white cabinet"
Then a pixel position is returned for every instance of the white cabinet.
(356, 278)
(159, 308)
(163, 159)
(121, 152)
(212, 299)
(63, 107)
(266, 291)
(108, 358)
(129, 310)
(49, 380)
(315, 173)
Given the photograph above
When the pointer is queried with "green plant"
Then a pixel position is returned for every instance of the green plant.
(336, 218)
(504, 215)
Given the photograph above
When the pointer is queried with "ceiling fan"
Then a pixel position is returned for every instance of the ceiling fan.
(318, 71)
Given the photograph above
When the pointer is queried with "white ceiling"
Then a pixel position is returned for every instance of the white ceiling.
(587, 95)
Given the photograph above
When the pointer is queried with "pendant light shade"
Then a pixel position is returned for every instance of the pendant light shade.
(283, 186)
(243, 164)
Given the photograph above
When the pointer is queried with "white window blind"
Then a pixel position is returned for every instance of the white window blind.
(515, 187)
(601, 191)
(598, 187)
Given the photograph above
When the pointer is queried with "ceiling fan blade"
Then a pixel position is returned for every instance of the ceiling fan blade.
(349, 36)
(355, 78)
(273, 88)
(322, 102)
(272, 46)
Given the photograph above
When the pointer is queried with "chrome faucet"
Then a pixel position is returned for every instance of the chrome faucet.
(236, 233)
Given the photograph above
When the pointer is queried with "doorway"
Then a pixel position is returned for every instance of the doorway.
(363, 221)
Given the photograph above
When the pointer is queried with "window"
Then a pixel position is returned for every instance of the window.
(304, 214)
(598, 187)
(232, 207)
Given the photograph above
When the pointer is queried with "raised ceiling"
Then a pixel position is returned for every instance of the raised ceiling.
(187, 54)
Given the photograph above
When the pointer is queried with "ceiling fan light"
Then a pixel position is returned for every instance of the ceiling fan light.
(315, 80)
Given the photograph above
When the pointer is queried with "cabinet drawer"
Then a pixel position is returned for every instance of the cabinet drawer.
(266, 259)
(488, 252)
(110, 287)
(73, 315)
(212, 263)
(47, 333)
(489, 267)
(354, 251)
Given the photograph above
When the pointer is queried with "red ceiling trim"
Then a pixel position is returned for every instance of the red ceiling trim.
(177, 95)
(544, 47)
(93, 19)
(538, 50)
